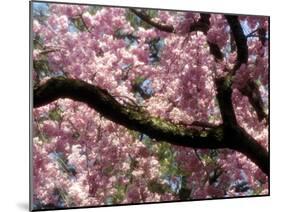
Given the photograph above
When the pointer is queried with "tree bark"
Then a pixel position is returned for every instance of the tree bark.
(223, 136)
(240, 41)
(235, 136)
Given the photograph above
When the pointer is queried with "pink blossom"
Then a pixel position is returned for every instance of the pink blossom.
(92, 159)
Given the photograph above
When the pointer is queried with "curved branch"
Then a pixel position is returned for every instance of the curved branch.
(224, 89)
(251, 90)
(203, 25)
(240, 40)
(248, 145)
(144, 17)
(139, 120)
(237, 138)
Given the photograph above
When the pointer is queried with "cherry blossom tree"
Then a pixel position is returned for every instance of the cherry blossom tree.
(141, 105)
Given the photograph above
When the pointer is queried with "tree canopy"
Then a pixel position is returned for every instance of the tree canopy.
(140, 105)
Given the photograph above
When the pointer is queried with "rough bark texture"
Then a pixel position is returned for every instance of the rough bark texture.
(229, 135)
(132, 118)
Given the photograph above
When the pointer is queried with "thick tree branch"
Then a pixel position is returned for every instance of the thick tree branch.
(240, 40)
(236, 137)
(250, 89)
(156, 128)
(100, 100)
(241, 141)
(224, 97)
(203, 24)
(224, 84)
(247, 144)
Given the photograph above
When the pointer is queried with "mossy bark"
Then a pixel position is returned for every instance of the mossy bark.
(228, 135)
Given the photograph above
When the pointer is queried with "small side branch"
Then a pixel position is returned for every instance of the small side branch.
(144, 17)
(251, 90)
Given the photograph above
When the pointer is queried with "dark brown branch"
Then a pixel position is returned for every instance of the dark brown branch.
(240, 41)
(260, 32)
(47, 51)
(236, 137)
(241, 141)
(215, 50)
(144, 17)
(224, 97)
(251, 90)
(203, 25)
(225, 90)
(236, 134)
(84, 23)
(262, 35)
(252, 33)
(99, 99)
(83, 26)
(202, 124)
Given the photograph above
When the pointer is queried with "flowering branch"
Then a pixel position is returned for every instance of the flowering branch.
(225, 136)
(251, 90)
(240, 40)
(203, 25)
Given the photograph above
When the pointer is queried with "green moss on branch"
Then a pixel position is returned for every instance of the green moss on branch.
(156, 128)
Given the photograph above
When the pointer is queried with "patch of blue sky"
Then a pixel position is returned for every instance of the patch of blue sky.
(160, 44)
(72, 28)
(245, 26)
(59, 73)
(146, 86)
(131, 42)
(174, 182)
(143, 137)
(40, 8)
